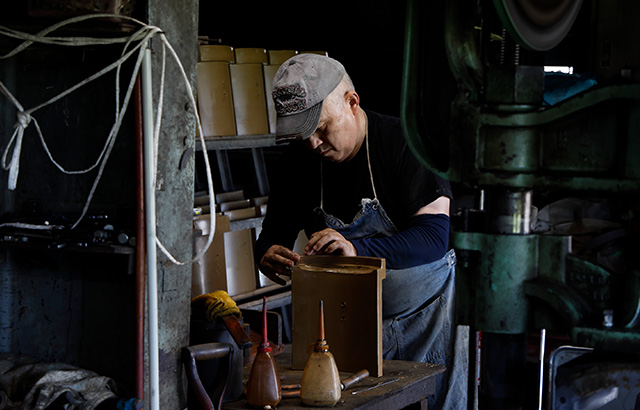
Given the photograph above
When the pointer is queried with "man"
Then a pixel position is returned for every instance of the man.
(350, 181)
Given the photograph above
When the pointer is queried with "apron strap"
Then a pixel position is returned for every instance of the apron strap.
(366, 139)
(321, 186)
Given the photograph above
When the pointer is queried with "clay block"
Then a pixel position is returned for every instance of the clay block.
(215, 99)
(209, 273)
(241, 270)
(217, 52)
(250, 105)
(269, 73)
(277, 57)
(251, 55)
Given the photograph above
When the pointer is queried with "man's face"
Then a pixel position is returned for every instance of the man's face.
(336, 138)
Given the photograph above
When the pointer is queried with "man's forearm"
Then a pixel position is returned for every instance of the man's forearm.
(426, 240)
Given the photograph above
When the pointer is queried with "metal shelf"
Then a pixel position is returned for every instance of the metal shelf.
(237, 142)
(279, 297)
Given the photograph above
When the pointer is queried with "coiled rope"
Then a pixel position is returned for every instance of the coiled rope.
(133, 45)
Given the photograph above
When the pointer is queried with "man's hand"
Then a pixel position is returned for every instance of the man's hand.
(278, 261)
(328, 241)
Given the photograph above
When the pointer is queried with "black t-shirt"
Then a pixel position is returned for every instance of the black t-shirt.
(403, 185)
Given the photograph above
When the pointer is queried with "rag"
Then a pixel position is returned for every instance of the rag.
(212, 306)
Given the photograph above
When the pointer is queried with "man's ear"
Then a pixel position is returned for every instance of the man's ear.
(353, 100)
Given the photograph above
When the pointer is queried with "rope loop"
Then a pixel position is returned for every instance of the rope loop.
(24, 119)
(134, 46)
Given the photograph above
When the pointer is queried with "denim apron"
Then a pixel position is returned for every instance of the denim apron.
(417, 304)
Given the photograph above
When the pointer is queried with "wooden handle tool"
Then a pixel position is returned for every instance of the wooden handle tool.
(237, 332)
(346, 383)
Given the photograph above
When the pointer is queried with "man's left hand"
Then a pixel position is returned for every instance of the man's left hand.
(329, 241)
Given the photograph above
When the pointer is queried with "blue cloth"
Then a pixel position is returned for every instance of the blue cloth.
(371, 220)
(560, 86)
(418, 325)
(130, 404)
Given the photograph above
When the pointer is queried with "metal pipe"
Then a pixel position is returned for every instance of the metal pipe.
(150, 214)
(543, 337)
(140, 243)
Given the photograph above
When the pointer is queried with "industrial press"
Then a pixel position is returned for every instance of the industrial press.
(480, 109)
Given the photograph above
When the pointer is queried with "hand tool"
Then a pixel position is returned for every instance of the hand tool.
(361, 375)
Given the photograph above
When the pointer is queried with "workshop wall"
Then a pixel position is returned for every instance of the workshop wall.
(60, 305)
(77, 305)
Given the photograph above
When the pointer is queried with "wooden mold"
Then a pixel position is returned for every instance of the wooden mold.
(351, 288)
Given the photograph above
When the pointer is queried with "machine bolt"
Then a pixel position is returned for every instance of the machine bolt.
(607, 318)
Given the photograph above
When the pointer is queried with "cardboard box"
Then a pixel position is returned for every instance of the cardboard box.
(351, 288)
(215, 99)
(250, 106)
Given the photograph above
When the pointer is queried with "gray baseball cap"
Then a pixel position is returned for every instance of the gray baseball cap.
(299, 87)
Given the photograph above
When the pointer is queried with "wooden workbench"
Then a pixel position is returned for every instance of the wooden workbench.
(416, 382)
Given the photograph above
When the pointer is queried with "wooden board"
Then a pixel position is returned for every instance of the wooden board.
(351, 290)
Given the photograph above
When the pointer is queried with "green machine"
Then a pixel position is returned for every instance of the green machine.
(476, 111)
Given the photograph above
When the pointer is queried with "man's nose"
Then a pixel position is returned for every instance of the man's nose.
(314, 142)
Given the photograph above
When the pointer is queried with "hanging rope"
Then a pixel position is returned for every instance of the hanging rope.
(134, 45)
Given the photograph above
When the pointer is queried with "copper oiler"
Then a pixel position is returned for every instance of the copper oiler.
(263, 386)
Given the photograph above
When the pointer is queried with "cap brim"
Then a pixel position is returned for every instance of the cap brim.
(298, 126)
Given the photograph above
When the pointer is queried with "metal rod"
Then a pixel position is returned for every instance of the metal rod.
(375, 386)
(150, 213)
(543, 336)
(140, 243)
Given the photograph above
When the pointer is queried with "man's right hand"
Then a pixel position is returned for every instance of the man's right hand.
(278, 261)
